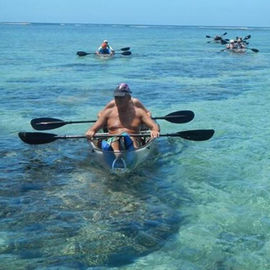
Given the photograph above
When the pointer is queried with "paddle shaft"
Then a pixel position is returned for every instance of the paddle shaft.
(93, 121)
(65, 122)
(183, 134)
(125, 51)
(98, 135)
(42, 138)
(122, 53)
(52, 123)
(106, 135)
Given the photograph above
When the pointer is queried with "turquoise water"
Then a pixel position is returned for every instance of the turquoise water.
(194, 206)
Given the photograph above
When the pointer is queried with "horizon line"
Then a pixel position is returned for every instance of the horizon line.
(132, 24)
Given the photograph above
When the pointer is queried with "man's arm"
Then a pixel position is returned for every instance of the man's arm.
(149, 122)
(112, 50)
(138, 104)
(102, 120)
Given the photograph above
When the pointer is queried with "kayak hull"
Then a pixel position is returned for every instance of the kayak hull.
(238, 50)
(121, 161)
(105, 56)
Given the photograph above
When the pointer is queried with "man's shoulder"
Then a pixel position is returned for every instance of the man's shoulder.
(139, 110)
(136, 101)
(108, 110)
(110, 104)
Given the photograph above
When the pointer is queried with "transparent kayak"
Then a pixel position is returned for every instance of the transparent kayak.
(121, 161)
(238, 50)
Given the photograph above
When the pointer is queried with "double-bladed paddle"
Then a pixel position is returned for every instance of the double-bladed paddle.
(125, 52)
(226, 41)
(80, 53)
(42, 138)
(52, 123)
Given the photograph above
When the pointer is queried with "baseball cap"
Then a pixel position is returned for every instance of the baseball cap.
(122, 90)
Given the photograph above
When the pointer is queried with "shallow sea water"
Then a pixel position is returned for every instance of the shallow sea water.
(193, 206)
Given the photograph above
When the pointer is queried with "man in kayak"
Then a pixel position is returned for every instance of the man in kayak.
(105, 48)
(217, 38)
(137, 103)
(231, 45)
(122, 119)
(241, 44)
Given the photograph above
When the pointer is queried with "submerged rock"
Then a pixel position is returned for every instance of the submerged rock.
(93, 223)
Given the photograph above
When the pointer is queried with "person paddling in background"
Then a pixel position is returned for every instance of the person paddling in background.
(105, 48)
(123, 119)
(231, 45)
(240, 43)
(217, 38)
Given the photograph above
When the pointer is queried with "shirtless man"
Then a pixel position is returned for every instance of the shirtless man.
(124, 117)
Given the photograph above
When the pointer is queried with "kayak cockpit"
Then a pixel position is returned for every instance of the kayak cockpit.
(123, 160)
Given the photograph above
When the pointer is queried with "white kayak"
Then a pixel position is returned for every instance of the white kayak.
(105, 55)
(238, 50)
(122, 161)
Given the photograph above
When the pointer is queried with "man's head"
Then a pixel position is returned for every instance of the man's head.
(122, 96)
(122, 90)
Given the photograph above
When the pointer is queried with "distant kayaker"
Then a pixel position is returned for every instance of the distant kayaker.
(105, 48)
(232, 45)
(241, 44)
(217, 38)
(122, 119)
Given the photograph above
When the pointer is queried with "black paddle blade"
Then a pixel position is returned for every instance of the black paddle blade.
(180, 117)
(207, 36)
(46, 123)
(81, 53)
(223, 42)
(125, 49)
(37, 137)
(247, 37)
(255, 50)
(196, 135)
